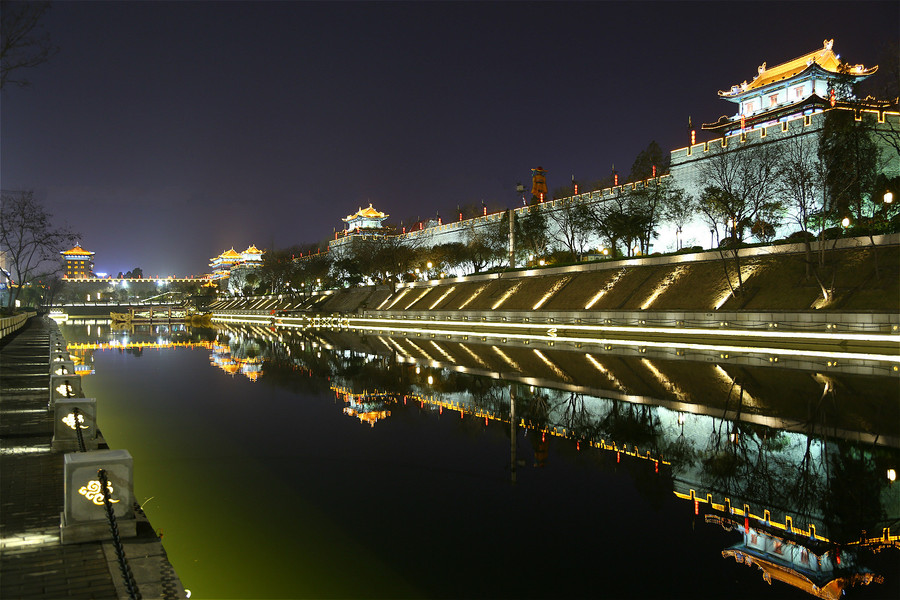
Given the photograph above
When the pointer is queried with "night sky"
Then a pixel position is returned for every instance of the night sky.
(165, 133)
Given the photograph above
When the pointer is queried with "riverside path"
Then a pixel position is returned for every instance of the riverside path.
(34, 563)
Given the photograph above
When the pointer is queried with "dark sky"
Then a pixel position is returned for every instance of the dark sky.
(167, 132)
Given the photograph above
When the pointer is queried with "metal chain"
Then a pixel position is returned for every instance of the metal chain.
(130, 583)
(76, 412)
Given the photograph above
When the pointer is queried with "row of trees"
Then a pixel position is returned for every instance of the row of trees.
(810, 183)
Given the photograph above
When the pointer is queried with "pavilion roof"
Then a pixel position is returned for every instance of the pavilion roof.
(367, 213)
(230, 254)
(824, 57)
(77, 250)
(252, 250)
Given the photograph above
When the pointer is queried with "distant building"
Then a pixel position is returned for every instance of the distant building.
(251, 257)
(784, 104)
(221, 265)
(78, 263)
(798, 87)
(231, 262)
(365, 218)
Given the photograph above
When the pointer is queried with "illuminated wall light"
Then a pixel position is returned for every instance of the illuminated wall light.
(506, 358)
(559, 372)
(396, 299)
(441, 299)
(477, 358)
(474, 295)
(746, 272)
(663, 285)
(506, 295)
(609, 285)
(420, 350)
(553, 290)
(422, 295)
(605, 371)
(443, 352)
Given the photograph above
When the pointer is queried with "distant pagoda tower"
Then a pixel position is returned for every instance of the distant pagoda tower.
(365, 218)
(252, 257)
(790, 90)
(223, 263)
(539, 183)
(78, 263)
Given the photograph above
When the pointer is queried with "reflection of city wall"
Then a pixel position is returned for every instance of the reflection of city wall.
(721, 429)
(725, 434)
(777, 479)
(634, 412)
(860, 407)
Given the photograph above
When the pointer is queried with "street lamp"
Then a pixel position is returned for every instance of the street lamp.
(888, 197)
(845, 222)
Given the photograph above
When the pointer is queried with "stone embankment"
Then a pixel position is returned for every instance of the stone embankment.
(779, 290)
(54, 542)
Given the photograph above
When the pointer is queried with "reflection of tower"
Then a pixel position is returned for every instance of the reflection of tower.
(539, 183)
(512, 432)
(541, 448)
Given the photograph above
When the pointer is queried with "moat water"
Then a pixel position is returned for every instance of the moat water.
(321, 464)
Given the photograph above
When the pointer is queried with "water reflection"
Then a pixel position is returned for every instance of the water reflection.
(794, 460)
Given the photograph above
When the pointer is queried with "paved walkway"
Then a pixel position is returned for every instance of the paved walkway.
(33, 562)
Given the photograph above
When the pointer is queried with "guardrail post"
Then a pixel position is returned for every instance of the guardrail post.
(65, 437)
(84, 515)
(62, 367)
(63, 386)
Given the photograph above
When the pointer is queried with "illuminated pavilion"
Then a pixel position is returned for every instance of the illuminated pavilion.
(223, 264)
(252, 256)
(802, 86)
(78, 263)
(365, 218)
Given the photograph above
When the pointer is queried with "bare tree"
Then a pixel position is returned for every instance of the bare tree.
(679, 208)
(741, 194)
(801, 181)
(29, 244)
(23, 43)
(573, 223)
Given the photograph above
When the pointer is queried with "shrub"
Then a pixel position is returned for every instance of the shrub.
(799, 236)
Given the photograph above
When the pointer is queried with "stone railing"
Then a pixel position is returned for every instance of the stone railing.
(12, 324)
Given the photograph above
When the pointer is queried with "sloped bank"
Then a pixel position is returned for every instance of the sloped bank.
(687, 290)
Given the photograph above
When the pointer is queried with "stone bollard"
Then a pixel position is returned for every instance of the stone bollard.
(65, 437)
(63, 386)
(62, 367)
(84, 514)
(59, 356)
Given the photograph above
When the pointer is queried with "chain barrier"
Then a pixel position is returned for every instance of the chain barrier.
(76, 413)
(127, 576)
